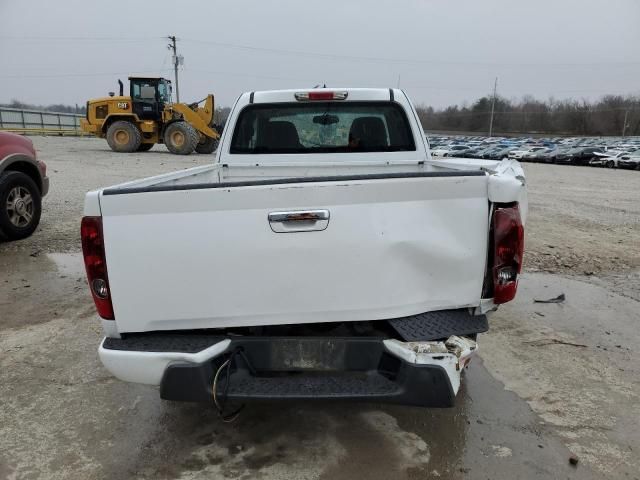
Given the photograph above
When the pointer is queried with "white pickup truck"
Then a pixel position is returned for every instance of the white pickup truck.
(323, 255)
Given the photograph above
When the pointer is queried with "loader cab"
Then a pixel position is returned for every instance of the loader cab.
(149, 96)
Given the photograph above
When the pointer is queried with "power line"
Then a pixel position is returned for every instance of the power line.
(246, 74)
(65, 75)
(78, 38)
(333, 56)
(176, 61)
(520, 112)
(397, 60)
(329, 56)
(438, 87)
(423, 86)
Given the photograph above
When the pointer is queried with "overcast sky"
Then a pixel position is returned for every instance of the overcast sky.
(440, 51)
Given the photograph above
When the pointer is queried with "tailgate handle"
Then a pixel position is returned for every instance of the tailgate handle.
(299, 221)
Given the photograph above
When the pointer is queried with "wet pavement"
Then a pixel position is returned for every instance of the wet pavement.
(38, 287)
(576, 363)
(63, 416)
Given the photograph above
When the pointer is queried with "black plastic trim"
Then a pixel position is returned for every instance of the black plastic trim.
(439, 324)
(363, 370)
(426, 326)
(251, 97)
(277, 181)
(163, 342)
(391, 94)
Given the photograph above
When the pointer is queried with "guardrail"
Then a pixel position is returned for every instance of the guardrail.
(38, 122)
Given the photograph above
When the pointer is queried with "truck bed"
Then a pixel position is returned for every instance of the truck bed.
(284, 171)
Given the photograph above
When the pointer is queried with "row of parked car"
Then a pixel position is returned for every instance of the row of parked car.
(596, 152)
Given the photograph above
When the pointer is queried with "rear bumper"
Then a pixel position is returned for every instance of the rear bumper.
(294, 368)
(139, 365)
(627, 164)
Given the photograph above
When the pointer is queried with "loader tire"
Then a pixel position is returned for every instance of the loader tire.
(181, 138)
(207, 145)
(145, 147)
(124, 137)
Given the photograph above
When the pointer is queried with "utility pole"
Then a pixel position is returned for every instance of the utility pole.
(177, 60)
(624, 124)
(493, 106)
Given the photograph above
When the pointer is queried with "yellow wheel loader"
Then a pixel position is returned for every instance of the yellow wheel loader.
(135, 123)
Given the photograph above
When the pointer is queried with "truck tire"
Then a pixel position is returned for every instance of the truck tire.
(207, 145)
(20, 205)
(145, 147)
(181, 138)
(124, 137)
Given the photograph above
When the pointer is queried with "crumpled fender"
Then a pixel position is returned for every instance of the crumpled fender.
(507, 184)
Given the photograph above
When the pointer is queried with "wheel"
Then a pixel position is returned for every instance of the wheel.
(20, 205)
(145, 147)
(181, 138)
(207, 145)
(124, 137)
(610, 164)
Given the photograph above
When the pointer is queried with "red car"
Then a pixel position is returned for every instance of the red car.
(23, 183)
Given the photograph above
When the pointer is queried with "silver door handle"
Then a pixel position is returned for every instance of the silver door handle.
(299, 221)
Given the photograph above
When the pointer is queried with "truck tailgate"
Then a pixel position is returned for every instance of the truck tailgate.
(208, 256)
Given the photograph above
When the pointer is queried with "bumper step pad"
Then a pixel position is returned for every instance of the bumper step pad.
(439, 325)
(325, 386)
(360, 369)
(162, 342)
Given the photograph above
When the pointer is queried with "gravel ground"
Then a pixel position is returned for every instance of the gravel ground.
(78, 165)
(553, 379)
(581, 220)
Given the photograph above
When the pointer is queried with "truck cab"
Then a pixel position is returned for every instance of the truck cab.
(149, 95)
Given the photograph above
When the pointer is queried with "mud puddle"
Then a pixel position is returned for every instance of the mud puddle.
(39, 287)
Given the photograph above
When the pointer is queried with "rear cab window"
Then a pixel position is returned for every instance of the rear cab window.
(322, 127)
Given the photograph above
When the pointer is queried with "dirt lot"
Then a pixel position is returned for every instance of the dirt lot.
(553, 379)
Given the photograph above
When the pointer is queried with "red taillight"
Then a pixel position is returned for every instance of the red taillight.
(96, 265)
(321, 95)
(508, 241)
